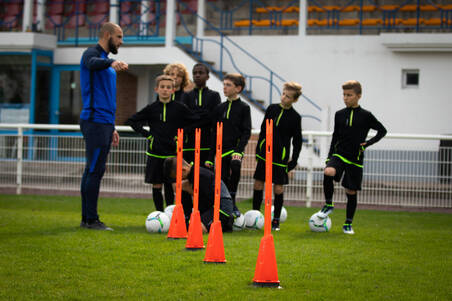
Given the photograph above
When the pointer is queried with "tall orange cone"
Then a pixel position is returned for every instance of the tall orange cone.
(215, 246)
(266, 272)
(194, 240)
(177, 228)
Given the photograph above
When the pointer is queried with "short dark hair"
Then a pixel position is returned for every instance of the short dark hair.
(237, 79)
(169, 168)
(202, 65)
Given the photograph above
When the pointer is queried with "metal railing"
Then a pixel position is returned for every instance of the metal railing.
(402, 170)
(268, 79)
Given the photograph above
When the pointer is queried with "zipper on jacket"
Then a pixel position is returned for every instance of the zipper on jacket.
(164, 112)
(351, 118)
(279, 117)
(229, 109)
(200, 97)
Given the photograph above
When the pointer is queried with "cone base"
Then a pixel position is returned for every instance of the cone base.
(194, 248)
(219, 262)
(267, 284)
(215, 246)
(176, 238)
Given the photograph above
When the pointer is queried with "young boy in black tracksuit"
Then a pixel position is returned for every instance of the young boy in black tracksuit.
(236, 118)
(202, 101)
(206, 190)
(180, 75)
(163, 117)
(346, 155)
(286, 130)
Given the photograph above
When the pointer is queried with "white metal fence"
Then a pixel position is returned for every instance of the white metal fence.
(401, 170)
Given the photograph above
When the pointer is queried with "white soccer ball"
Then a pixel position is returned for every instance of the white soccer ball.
(318, 224)
(239, 223)
(169, 211)
(254, 219)
(157, 222)
(283, 216)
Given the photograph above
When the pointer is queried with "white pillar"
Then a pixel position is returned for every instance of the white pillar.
(27, 17)
(200, 19)
(302, 19)
(325, 120)
(170, 23)
(40, 15)
(114, 8)
(144, 19)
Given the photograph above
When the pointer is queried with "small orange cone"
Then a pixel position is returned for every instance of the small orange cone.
(266, 273)
(195, 241)
(178, 229)
(215, 246)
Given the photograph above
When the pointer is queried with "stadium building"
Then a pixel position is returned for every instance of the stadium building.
(400, 50)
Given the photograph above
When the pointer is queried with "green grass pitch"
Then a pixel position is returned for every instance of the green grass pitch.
(46, 256)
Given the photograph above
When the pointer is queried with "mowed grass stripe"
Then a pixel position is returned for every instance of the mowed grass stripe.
(46, 256)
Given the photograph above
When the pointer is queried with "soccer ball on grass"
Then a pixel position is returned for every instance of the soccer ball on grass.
(157, 222)
(318, 224)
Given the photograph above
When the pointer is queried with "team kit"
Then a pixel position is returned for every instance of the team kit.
(187, 104)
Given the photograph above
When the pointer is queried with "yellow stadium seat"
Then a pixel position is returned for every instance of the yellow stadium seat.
(326, 22)
(262, 23)
(289, 22)
(429, 8)
(371, 22)
(292, 9)
(242, 23)
(411, 21)
(388, 7)
(331, 7)
(411, 8)
(433, 22)
(348, 22)
(350, 8)
(369, 8)
(392, 22)
(312, 22)
(315, 9)
(446, 7)
(262, 10)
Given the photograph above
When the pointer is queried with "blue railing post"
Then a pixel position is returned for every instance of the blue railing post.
(361, 17)
(418, 14)
(251, 17)
(271, 87)
(221, 55)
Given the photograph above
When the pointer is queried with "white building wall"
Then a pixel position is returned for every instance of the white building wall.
(322, 63)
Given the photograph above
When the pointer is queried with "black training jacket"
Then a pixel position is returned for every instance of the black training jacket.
(163, 120)
(236, 118)
(206, 199)
(286, 127)
(202, 102)
(351, 126)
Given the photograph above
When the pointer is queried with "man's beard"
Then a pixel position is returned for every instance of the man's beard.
(112, 47)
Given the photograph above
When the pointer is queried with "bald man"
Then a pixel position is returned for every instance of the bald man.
(97, 119)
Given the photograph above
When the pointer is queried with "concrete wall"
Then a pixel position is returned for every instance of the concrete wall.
(322, 63)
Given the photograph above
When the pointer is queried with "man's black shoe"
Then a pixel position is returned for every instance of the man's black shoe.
(97, 225)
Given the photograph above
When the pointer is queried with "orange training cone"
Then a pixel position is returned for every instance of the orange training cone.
(177, 228)
(194, 240)
(266, 272)
(215, 246)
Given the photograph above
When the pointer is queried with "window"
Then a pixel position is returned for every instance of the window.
(410, 78)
